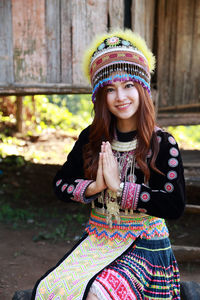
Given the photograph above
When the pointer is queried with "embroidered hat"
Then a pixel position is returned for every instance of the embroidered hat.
(123, 52)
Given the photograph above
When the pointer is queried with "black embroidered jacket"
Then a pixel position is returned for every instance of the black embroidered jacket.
(164, 197)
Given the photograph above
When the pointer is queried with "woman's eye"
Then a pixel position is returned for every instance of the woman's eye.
(129, 85)
(109, 90)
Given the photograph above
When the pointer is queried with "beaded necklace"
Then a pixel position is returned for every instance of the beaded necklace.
(124, 152)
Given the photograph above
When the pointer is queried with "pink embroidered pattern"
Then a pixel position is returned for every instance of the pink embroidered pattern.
(116, 285)
(58, 182)
(145, 196)
(132, 178)
(64, 187)
(130, 196)
(169, 187)
(174, 152)
(173, 162)
(172, 175)
(79, 190)
(171, 140)
(70, 189)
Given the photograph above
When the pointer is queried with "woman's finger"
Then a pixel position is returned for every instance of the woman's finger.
(109, 148)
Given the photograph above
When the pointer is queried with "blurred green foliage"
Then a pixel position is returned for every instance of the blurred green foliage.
(188, 137)
(71, 113)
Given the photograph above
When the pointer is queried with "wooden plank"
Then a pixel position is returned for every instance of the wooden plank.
(116, 13)
(46, 88)
(166, 49)
(89, 18)
(6, 65)
(192, 209)
(195, 56)
(19, 113)
(178, 74)
(173, 119)
(66, 41)
(28, 18)
(52, 18)
(186, 253)
(182, 74)
(143, 19)
(180, 107)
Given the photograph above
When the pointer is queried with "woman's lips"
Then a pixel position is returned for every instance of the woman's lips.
(123, 106)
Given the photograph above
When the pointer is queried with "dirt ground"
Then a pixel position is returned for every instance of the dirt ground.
(33, 243)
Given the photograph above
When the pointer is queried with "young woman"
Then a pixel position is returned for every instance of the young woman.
(131, 172)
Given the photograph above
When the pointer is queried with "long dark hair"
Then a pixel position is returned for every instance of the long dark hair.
(102, 129)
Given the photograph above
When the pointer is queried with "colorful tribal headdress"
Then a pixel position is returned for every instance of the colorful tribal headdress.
(122, 52)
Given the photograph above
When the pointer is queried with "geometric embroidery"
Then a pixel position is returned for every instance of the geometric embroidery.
(137, 276)
(78, 192)
(74, 273)
(129, 226)
(145, 196)
(169, 187)
(58, 182)
(130, 195)
(171, 140)
(172, 175)
(116, 286)
(174, 152)
(173, 162)
(64, 187)
(70, 189)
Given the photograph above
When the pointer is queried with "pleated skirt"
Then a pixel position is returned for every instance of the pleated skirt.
(147, 271)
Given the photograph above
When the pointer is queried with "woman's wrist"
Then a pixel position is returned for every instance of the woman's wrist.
(92, 189)
(115, 187)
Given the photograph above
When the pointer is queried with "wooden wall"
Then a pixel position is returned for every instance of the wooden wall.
(44, 40)
(178, 53)
(42, 43)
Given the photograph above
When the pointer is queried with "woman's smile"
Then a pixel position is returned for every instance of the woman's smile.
(123, 103)
(123, 106)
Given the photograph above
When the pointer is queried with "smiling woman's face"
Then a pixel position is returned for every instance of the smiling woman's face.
(123, 102)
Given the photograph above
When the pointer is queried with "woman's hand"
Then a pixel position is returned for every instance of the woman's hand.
(98, 185)
(110, 167)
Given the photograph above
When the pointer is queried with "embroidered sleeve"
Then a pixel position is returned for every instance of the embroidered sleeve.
(164, 197)
(130, 195)
(69, 182)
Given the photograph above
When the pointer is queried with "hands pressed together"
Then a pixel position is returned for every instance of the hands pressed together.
(107, 173)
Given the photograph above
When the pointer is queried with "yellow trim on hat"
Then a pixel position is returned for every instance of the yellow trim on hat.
(134, 38)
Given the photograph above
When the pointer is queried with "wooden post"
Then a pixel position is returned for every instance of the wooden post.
(34, 110)
(19, 113)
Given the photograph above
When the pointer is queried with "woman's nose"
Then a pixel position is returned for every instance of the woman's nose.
(120, 95)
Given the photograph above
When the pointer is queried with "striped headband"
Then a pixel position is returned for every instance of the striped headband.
(124, 53)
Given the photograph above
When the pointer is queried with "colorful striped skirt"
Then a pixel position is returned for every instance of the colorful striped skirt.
(147, 271)
(144, 269)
